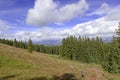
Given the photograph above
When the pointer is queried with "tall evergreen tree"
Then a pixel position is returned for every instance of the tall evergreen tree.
(15, 43)
(30, 46)
(118, 34)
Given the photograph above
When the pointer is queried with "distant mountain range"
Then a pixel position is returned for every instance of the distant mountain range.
(49, 42)
(58, 42)
(107, 39)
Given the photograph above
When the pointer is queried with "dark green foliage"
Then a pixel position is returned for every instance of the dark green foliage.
(83, 49)
(93, 50)
(112, 64)
(15, 43)
(6, 41)
(36, 48)
(30, 46)
(67, 48)
(118, 35)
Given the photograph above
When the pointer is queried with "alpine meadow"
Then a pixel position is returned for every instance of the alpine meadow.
(59, 40)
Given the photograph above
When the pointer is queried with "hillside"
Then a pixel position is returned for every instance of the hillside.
(18, 64)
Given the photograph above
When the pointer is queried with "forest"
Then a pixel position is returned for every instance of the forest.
(83, 49)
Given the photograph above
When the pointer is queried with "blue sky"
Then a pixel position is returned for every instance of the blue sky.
(43, 20)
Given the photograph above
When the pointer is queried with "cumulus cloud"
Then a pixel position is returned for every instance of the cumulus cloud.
(45, 12)
(103, 27)
(99, 27)
(95, 27)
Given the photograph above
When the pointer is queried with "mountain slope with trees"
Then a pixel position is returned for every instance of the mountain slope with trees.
(82, 49)
(19, 64)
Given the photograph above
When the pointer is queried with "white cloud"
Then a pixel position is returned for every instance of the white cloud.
(20, 21)
(48, 11)
(4, 27)
(99, 27)
(102, 27)
(95, 27)
(111, 13)
(114, 14)
(104, 8)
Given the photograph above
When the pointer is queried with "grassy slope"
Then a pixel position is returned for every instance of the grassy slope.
(18, 64)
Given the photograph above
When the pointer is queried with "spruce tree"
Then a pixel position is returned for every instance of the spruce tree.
(118, 35)
(30, 48)
(15, 43)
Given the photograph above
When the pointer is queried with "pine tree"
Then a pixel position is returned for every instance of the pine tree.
(118, 35)
(15, 43)
(30, 46)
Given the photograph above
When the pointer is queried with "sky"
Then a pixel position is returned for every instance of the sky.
(48, 20)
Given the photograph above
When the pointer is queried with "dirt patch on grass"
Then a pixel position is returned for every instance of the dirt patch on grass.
(97, 74)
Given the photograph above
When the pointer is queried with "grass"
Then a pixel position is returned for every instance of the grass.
(12, 63)
(18, 64)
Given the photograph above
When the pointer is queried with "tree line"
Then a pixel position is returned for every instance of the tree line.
(83, 49)
(93, 50)
(31, 47)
